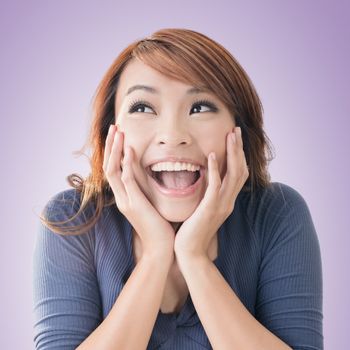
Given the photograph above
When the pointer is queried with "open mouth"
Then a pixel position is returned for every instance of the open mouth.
(176, 180)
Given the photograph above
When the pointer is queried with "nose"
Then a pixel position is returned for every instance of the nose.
(173, 133)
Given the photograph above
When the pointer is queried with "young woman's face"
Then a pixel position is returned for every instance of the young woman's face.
(170, 123)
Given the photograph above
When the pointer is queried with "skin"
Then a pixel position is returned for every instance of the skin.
(173, 127)
(171, 123)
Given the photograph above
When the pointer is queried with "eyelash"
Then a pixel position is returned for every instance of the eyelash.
(137, 103)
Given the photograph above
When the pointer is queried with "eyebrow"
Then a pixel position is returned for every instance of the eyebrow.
(191, 91)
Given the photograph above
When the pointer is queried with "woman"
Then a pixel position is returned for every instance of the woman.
(178, 239)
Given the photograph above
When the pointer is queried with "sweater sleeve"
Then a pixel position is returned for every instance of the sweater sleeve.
(66, 296)
(289, 298)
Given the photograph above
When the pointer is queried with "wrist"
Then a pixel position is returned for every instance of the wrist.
(161, 256)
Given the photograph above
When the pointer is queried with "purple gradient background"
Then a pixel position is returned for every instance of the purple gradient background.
(53, 55)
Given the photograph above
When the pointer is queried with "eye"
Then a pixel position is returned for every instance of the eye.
(137, 105)
(206, 103)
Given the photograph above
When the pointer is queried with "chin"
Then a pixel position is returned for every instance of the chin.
(179, 212)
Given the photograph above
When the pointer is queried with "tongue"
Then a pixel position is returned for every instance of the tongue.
(177, 179)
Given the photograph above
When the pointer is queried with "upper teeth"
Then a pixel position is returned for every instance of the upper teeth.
(174, 166)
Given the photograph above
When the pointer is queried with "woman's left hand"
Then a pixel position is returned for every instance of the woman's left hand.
(196, 233)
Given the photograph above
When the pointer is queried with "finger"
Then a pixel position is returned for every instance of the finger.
(128, 178)
(240, 141)
(236, 168)
(231, 164)
(108, 146)
(241, 160)
(113, 168)
(238, 133)
(116, 153)
(214, 180)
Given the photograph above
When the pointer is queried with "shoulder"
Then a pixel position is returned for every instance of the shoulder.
(285, 194)
(276, 198)
(73, 217)
(56, 240)
(278, 211)
(66, 209)
(63, 203)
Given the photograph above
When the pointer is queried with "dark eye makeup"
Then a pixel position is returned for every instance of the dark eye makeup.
(136, 104)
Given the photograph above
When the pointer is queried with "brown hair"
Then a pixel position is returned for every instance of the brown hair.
(190, 57)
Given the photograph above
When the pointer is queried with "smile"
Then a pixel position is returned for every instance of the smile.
(176, 183)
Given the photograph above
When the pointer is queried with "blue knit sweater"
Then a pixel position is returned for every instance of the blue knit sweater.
(268, 252)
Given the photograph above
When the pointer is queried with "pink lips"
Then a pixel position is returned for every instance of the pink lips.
(179, 192)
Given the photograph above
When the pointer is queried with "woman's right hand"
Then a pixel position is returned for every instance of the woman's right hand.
(156, 234)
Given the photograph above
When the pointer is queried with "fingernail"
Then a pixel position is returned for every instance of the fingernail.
(233, 137)
(213, 156)
(110, 129)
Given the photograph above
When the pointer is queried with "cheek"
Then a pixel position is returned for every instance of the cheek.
(138, 148)
(134, 137)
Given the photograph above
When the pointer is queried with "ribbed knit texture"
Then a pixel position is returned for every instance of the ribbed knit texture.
(268, 253)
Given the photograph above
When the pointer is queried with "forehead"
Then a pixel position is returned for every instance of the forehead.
(138, 73)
